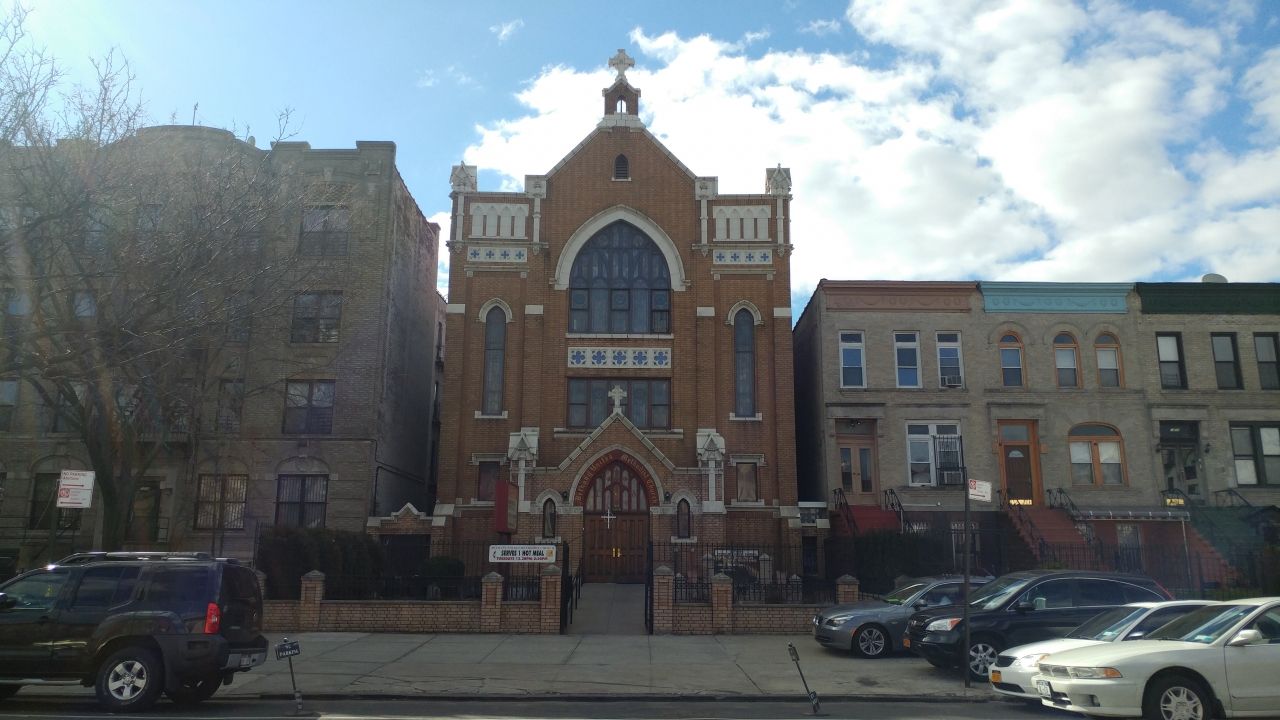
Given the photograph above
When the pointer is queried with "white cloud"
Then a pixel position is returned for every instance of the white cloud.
(505, 30)
(431, 78)
(754, 36)
(427, 79)
(1006, 140)
(821, 27)
(1261, 86)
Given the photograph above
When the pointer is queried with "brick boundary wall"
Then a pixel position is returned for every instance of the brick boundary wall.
(722, 617)
(489, 614)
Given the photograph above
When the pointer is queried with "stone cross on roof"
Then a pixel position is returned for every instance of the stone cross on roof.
(622, 62)
(617, 393)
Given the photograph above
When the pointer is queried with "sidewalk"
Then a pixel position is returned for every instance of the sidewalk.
(350, 665)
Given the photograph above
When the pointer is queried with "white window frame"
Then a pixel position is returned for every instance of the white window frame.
(959, 358)
(903, 345)
(861, 346)
(934, 480)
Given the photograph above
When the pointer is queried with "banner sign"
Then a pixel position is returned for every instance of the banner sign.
(522, 553)
(75, 489)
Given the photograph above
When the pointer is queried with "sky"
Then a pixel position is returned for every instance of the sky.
(1015, 140)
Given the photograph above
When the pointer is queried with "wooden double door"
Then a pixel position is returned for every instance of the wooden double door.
(616, 526)
(1019, 462)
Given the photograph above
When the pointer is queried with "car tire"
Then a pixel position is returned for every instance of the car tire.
(8, 691)
(129, 680)
(1176, 696)
(982, 654)
(872, 641)
(195, 691)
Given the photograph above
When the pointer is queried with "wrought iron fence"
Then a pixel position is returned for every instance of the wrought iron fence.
(759, 573)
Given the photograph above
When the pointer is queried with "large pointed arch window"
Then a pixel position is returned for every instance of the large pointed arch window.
(495, 346)
(620, 283)
(744, 364)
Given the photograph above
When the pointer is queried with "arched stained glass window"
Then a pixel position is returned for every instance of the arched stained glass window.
(683, 529)
(744, 363)
(495, 345)
(620, 283)
(549, 518)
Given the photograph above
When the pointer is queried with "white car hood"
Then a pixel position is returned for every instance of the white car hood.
(1051, 647)
(1115, 653)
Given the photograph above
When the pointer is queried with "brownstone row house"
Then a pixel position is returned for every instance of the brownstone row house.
(1120, 425)
(626, 329)
(320, 412)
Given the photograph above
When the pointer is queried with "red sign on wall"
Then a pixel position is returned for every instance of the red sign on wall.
(506, 506)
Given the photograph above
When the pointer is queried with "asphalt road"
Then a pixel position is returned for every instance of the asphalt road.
(248, 709)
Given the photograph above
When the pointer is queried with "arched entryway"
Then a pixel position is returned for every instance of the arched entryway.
(615, 495)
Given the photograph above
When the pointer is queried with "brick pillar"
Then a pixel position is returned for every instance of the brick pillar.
(491, 603)
(549, 611)
(847, 589)
(309, 607)
(722, 604)
(663, 602)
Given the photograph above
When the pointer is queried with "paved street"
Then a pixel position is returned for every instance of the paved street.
(251, 709)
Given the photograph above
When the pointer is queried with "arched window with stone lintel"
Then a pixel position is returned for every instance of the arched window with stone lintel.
(620, 283)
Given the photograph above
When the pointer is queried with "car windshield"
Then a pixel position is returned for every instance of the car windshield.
(1109, 625)
(899, 596)
(993, 594)
(1204, 625)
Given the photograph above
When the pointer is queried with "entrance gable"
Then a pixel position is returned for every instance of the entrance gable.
(588, 469)
(618, 431)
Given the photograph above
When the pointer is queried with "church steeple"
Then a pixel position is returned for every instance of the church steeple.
(620, 98)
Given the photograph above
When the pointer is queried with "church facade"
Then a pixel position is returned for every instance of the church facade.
(621, 356)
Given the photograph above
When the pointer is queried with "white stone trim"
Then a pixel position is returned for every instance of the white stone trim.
(506, 220)
(744, 305)
(782, 312)
(713, 507)
(650, 358)
(497, 254)
(533, 309)
(490, 304)
(602, 219)
(479, 416)
(706, 312)
(619, 336)
(739, 223)
(747, 458)
(755, 418)
(455, 309)
(742, 256)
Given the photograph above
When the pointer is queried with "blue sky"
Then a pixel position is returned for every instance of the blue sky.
(984, 139)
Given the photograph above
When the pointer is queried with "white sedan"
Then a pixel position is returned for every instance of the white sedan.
(1220, 660)
(1012, 671)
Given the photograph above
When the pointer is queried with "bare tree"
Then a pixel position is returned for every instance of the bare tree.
(135, 260)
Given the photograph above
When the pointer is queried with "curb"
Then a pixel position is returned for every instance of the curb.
(630, 698)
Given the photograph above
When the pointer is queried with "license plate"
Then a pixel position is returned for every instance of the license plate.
(995, 676)
(246, 661)
(906, 642)
(1043, 687)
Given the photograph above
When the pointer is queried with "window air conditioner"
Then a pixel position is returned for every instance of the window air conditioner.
(952, 381)
(950, 477)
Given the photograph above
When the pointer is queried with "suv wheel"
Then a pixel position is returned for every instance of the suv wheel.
(871, 641)
(982, 655)
(196, 690)
(129, 680)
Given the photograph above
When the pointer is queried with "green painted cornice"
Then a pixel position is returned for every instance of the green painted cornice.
(1046, 297)
(1201, 298)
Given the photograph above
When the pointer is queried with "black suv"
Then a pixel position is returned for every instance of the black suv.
(1021, 608)
(132, 625)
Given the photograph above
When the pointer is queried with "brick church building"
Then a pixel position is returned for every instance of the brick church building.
(621, 357)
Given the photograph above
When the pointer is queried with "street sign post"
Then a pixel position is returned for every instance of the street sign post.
(75, 489)
(979, 490)
(288, 650)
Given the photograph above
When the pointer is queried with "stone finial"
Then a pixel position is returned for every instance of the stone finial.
(663, 570)
(721, 579)
(551, 570)
(778, 181)
(313, 575)
(463, 178)
(846, 580)
(492, 577)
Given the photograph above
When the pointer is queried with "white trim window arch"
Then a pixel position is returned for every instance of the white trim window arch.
(744, 364)
(620, 283)
(495, 348)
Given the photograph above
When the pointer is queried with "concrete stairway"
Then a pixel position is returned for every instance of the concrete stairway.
(1064, 545)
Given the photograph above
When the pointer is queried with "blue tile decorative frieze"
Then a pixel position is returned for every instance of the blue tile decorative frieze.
(652, 358)
(497, 254)
(755, 256)
(1036, 297)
